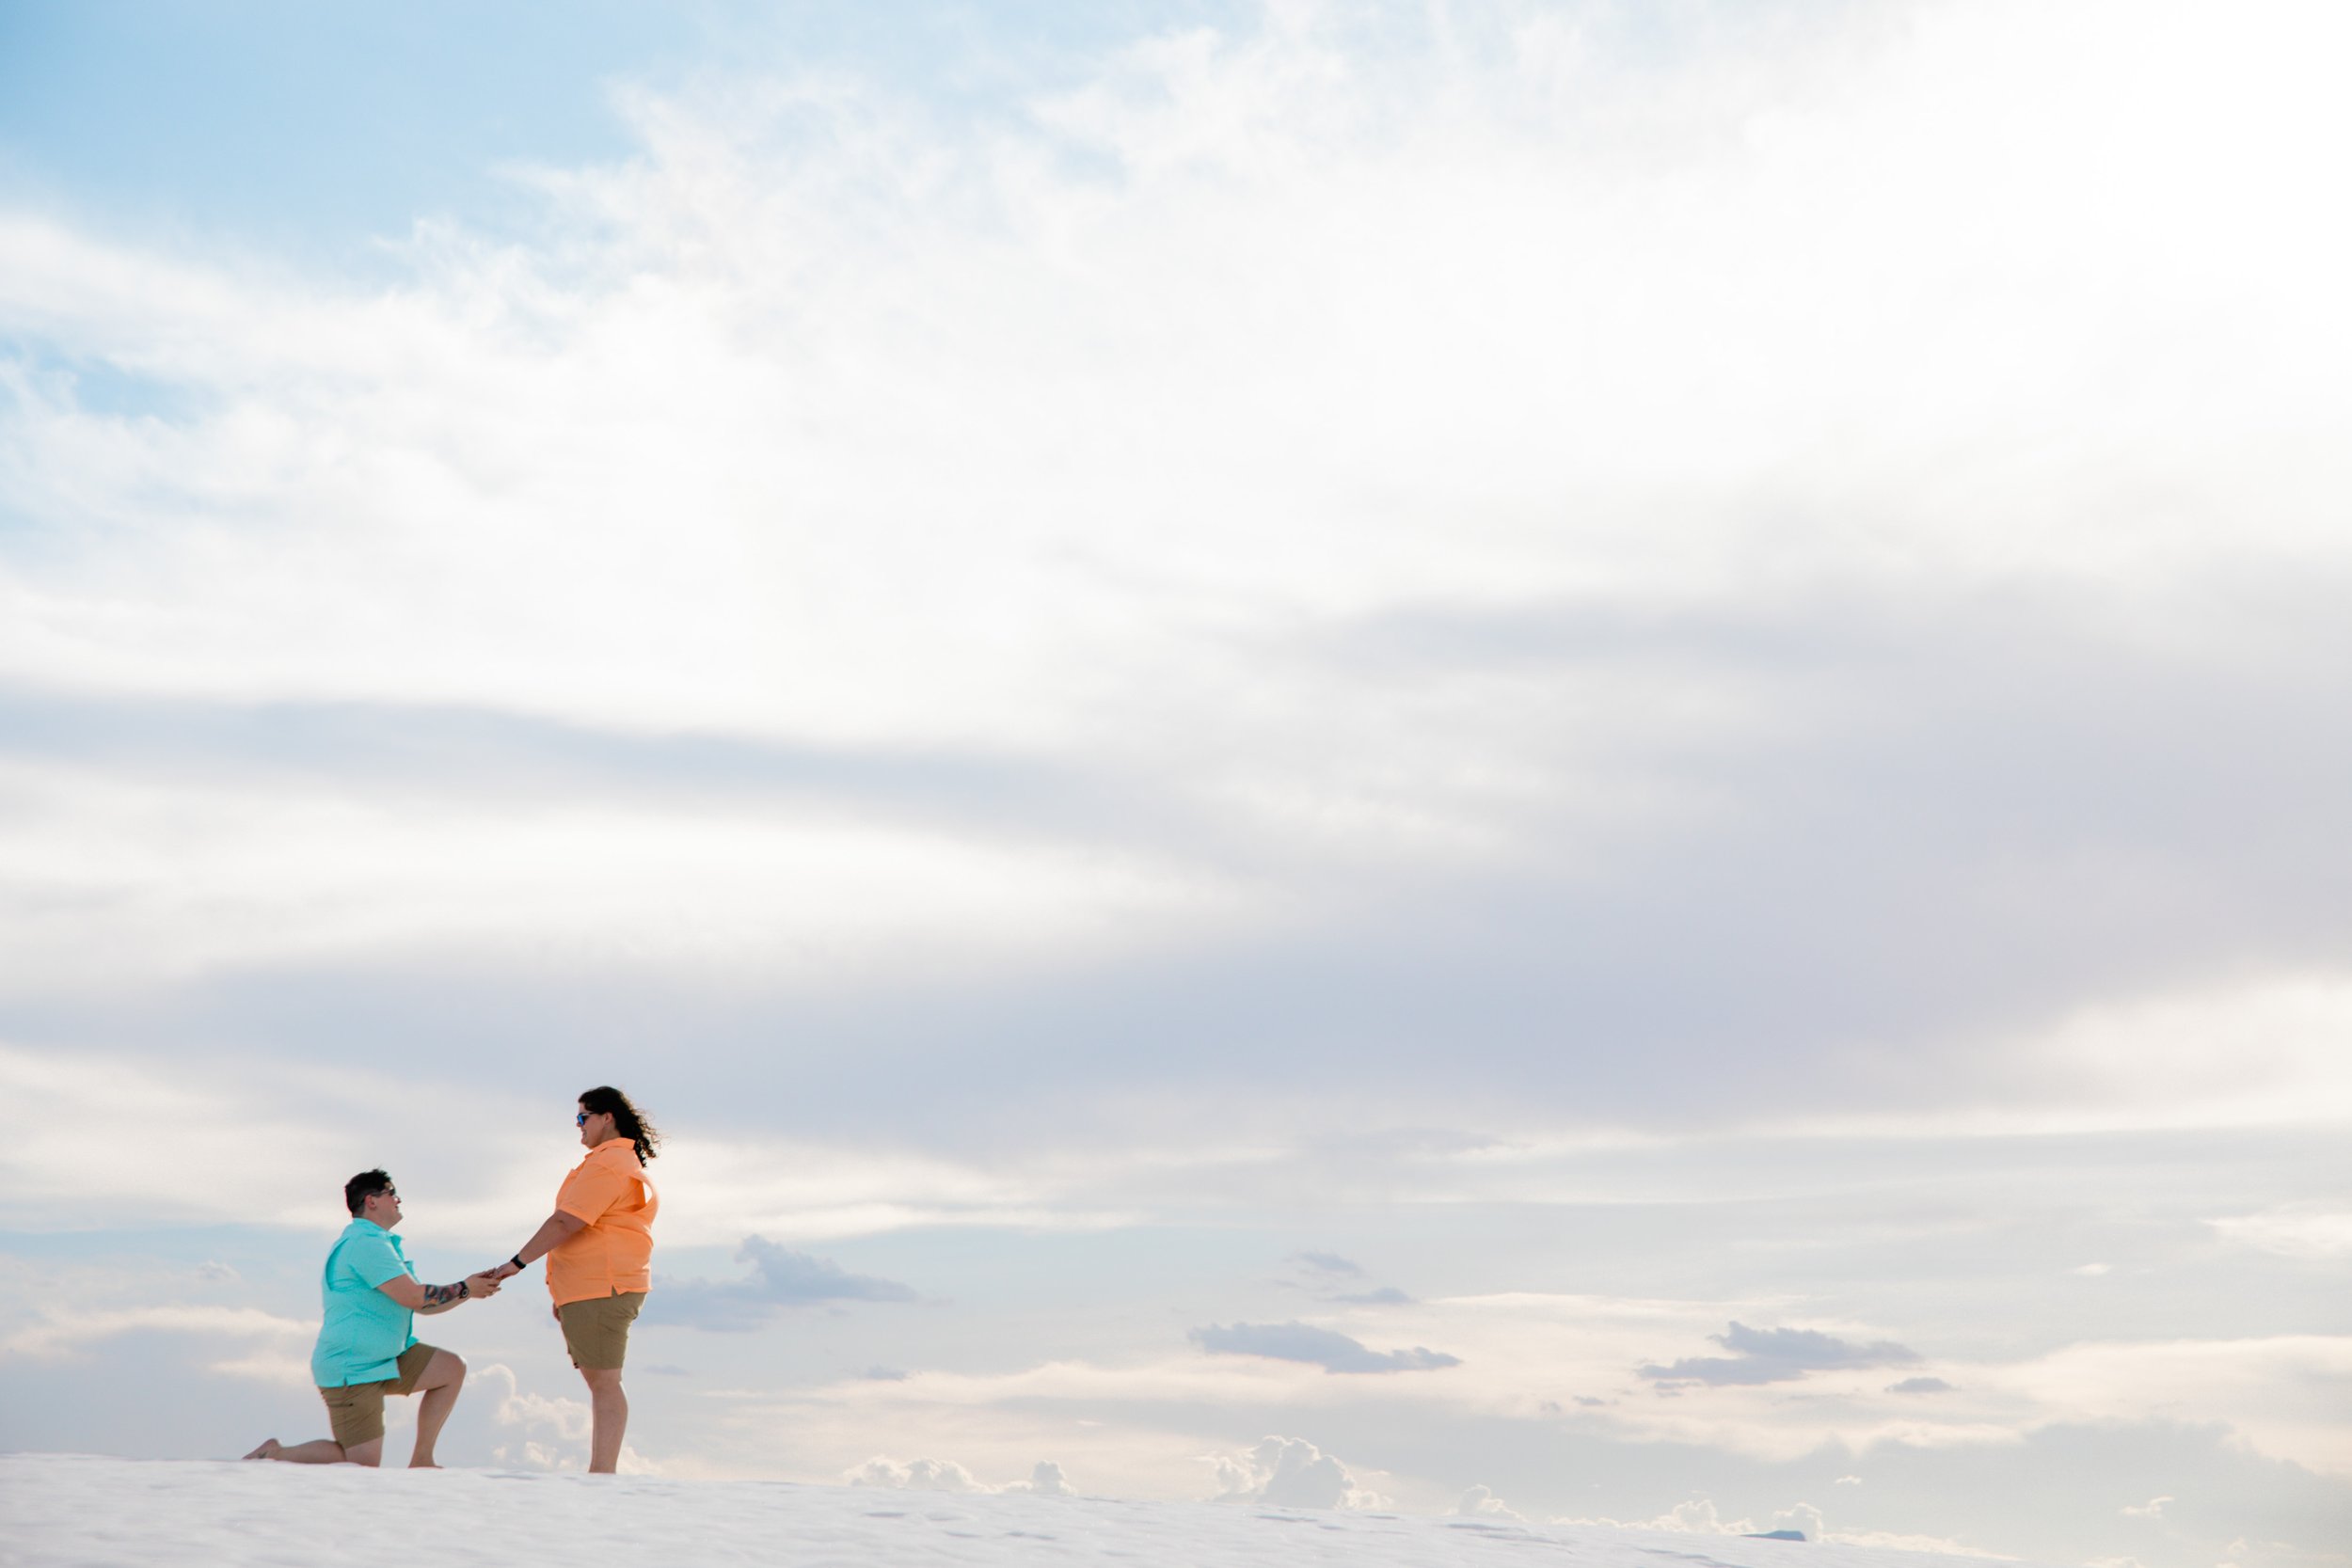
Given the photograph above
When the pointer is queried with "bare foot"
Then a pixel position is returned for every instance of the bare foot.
(423, 1464)
(267, 1450)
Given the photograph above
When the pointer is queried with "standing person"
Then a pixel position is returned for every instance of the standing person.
(367, 1345)
(599, 1244)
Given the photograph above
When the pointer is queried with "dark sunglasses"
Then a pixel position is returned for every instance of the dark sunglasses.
(581, 1120)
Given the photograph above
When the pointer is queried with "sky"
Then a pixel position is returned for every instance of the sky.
(1574, 761)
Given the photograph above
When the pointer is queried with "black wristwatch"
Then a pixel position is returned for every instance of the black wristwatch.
(517, 1261)
(465, 1288)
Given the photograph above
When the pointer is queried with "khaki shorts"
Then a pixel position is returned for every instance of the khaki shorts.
(597, 1331)
(356, 1410)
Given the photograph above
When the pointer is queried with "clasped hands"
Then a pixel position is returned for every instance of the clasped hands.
(504, 1271)
(487, 1283)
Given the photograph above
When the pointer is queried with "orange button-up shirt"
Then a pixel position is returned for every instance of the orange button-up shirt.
(614, 1252)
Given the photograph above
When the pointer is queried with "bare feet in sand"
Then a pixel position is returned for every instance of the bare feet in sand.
(267, 1450)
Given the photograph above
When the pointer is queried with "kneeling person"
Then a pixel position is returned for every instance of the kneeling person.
(367, 1347)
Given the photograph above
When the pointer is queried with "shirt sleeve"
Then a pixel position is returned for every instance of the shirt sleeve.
(592, 1189)
(372, 1260)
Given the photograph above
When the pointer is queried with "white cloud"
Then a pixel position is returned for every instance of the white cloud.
(818, 420)
(2281, 1395)
(1046, 1480)
(921, 1474)
(1337, 462)
(1327, 1348)
(2292, 1233)
(1480, 1502)
(2275, 1049)
(76, 1334)
(2267, 1050)
(1289, 1472)
(115, 881)
(102, 1139)
(1700, 1517)
(515, 1426)
(108, 1139)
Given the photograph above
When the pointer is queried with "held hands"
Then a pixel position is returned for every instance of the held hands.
(482, 1284)
(507, 1270)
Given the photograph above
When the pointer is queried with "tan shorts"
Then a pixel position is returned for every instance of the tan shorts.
(355, 1411)
(597, 1331)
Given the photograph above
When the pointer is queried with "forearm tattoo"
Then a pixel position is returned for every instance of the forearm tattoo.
(442, 1295)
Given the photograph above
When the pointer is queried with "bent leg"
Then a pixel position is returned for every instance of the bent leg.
(437, 1389)
(355, 1415)
(320, 1450)
(609, 1410)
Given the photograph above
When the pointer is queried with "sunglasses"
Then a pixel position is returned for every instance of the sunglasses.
(581, 1120)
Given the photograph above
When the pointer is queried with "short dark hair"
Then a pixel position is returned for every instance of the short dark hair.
(363, 1186)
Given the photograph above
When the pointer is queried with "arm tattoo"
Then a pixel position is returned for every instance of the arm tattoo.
(442, 1295)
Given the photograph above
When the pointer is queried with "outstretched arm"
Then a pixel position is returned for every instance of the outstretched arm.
(559, 1227)
(425, 1299)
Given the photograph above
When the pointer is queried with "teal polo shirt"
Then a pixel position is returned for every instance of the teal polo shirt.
(365, 1330)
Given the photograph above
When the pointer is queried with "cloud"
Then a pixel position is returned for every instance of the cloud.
(1329, 1270)
(2283, 1393)
(2291, 1232)
(1920, 1386)
(921, 1474)
(1045, 1481)
(1046, 1478)
(1777, 1355)
(525, 1429)
(1480, 1502)
(76, 1334)
(1700, 1516)
(1289, 1472)
(1327, 1348)
(1387, 1295)
(781, 1279)
(1327, 1262)
(675, 408)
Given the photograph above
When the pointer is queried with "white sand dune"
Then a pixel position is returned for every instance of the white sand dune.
(59, 1509)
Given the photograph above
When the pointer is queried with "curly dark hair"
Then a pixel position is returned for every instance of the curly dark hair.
(606, 1100)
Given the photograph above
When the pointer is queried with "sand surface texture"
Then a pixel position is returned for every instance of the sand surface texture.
(63, 1510)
